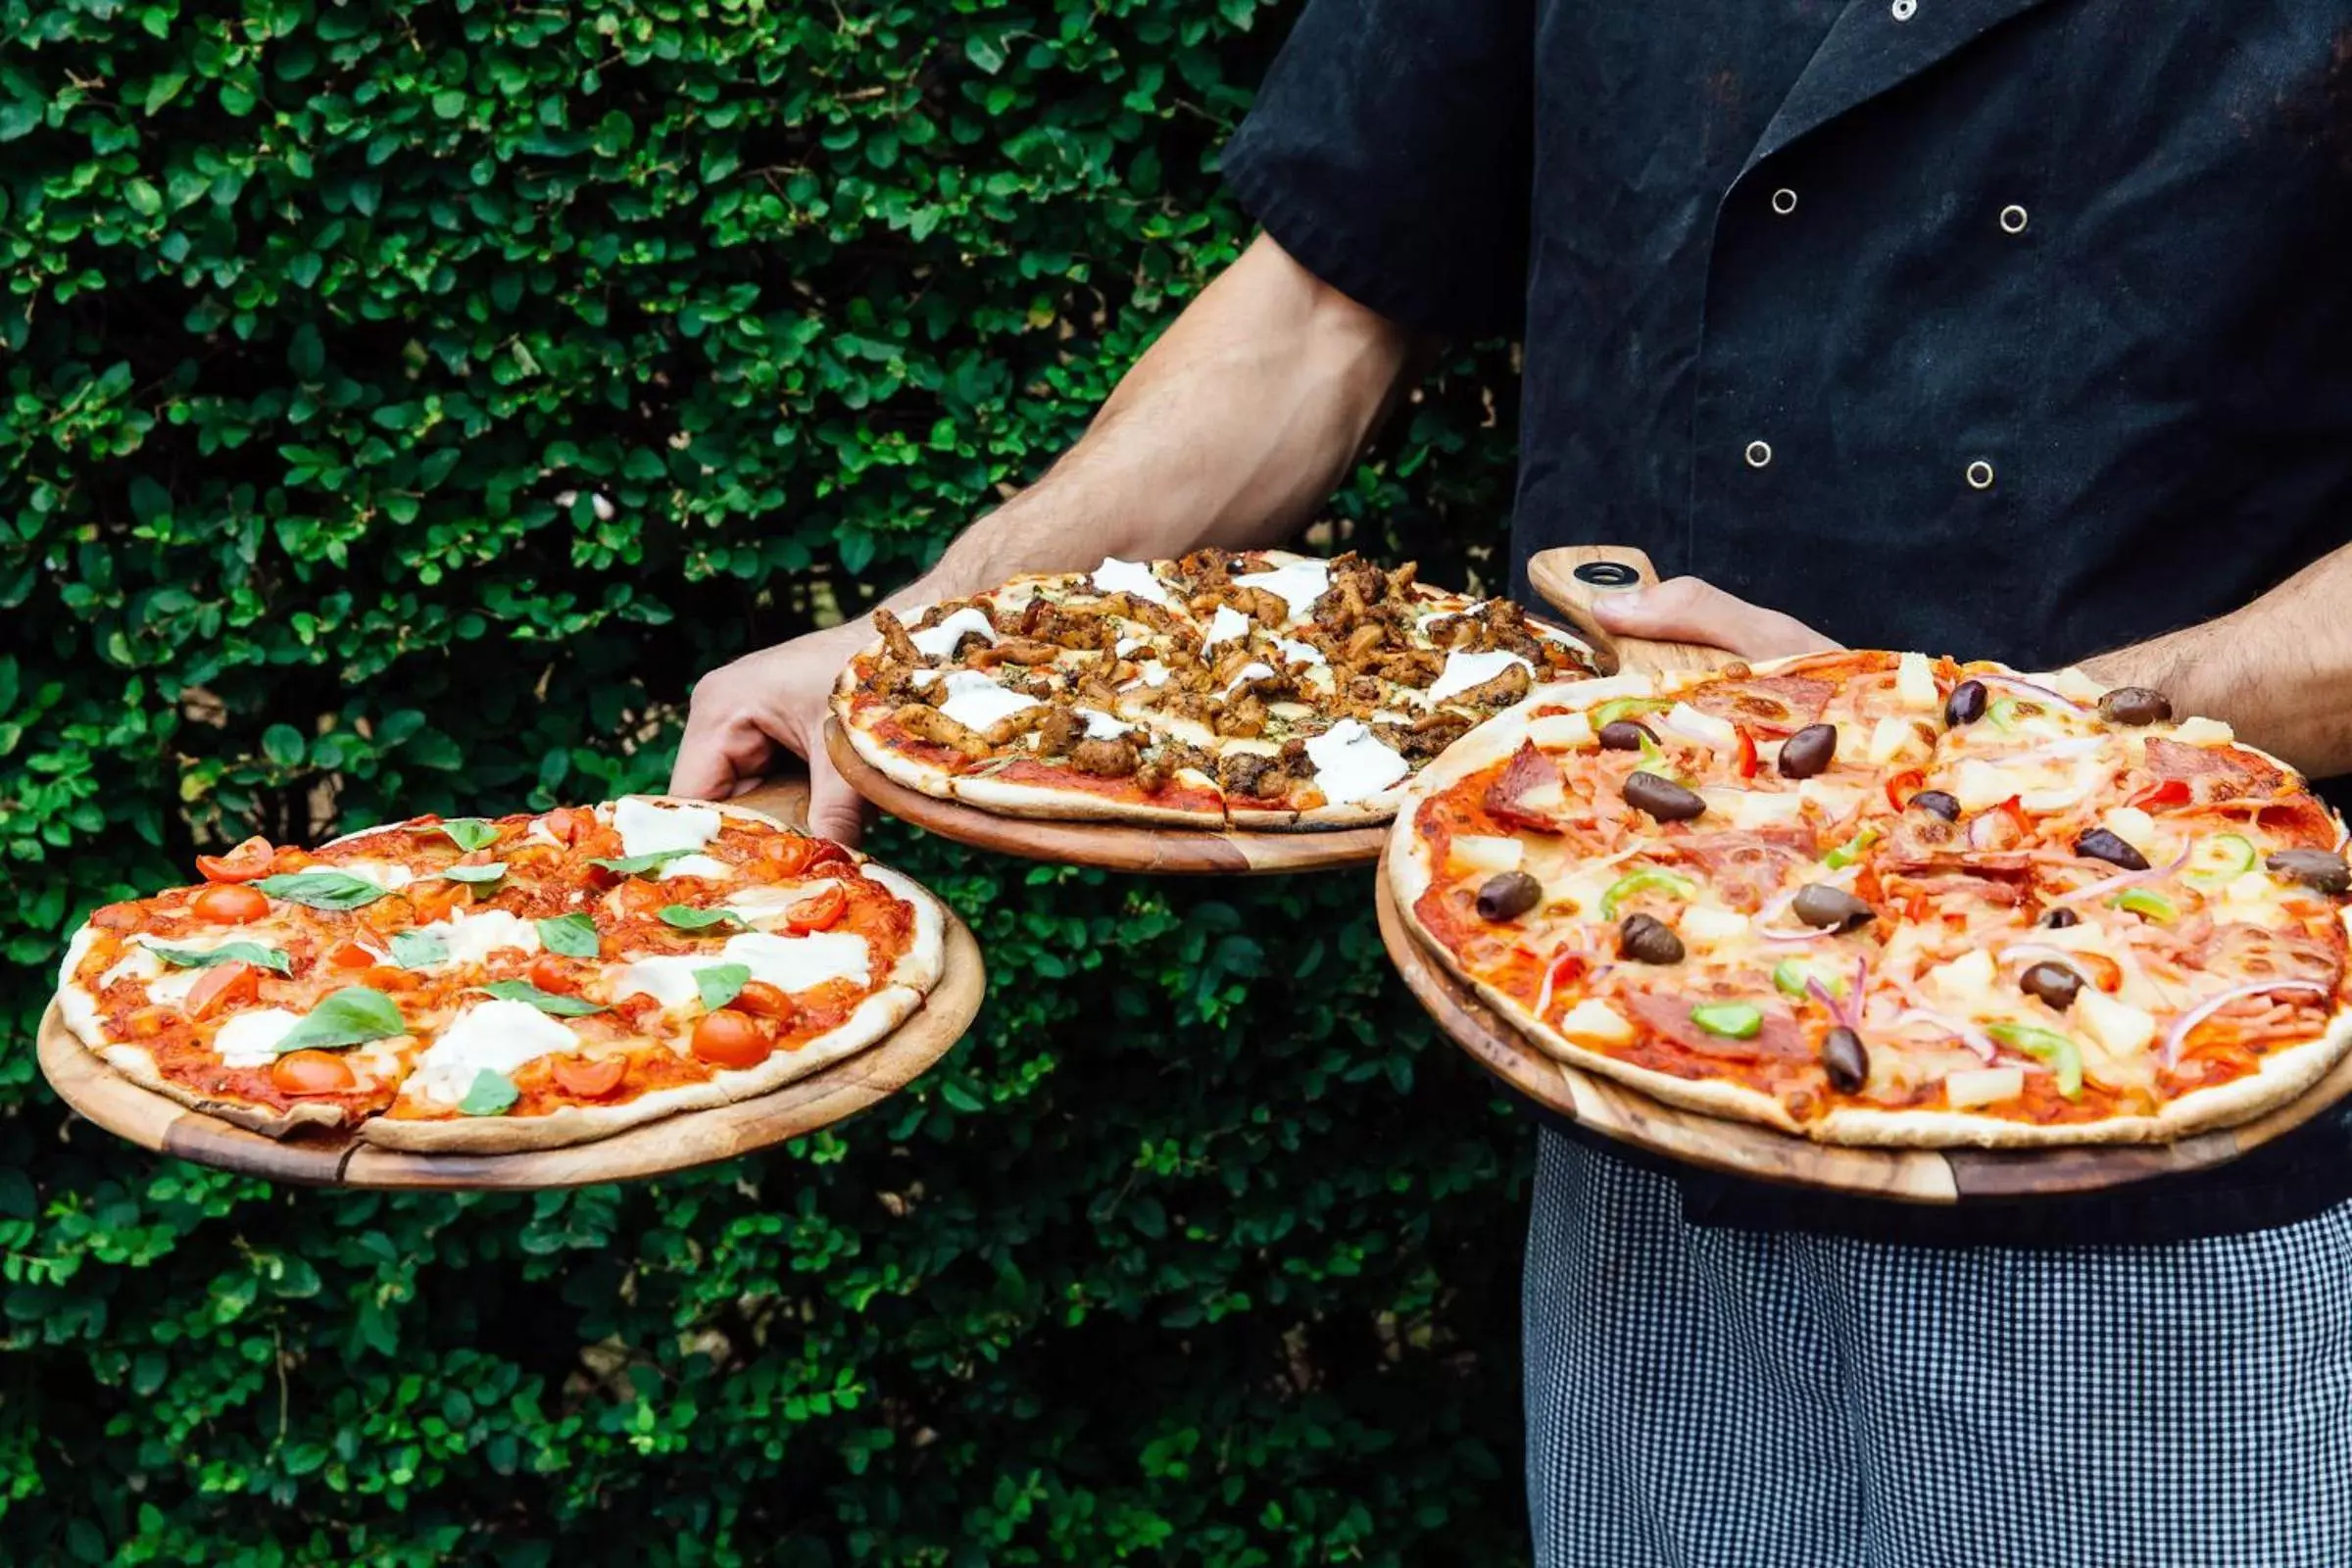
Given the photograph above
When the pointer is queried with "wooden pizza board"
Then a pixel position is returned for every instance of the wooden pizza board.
(1572, 579)
(678, 1143)
(1110, 846)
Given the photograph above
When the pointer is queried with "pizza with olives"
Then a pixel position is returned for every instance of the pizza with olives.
(1879, 898)
(492, 986)
(1254, 689)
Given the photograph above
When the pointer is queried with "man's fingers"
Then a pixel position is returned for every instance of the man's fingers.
(835, 810)
(1687, 609)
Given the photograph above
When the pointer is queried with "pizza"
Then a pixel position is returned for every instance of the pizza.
(1253, 689)
(487, 987)
(1879, 898)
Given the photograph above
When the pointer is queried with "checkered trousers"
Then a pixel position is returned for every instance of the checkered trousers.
(1700, 1398)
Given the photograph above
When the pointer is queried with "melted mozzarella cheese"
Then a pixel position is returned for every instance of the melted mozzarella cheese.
(1463, 671)
(1350, 763)
(789, 963)
(694, 865)
(1116, 576)
(1224, 626)
(1127, 646)
(938, 642)
(473, 938)
(1255, 670)
(1150, 672)
(1102, 726)
(136, 964)
(1299, 653)
(250, 1039)
(976, 702)
(494, 1037)
(1298, 584)
(383, 873)
(648, 828)
(1422, 623)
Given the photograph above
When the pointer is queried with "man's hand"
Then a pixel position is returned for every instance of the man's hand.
(746, 715)
(1685, 609)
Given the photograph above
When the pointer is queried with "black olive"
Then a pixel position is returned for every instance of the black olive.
(1966, 704)
(1819, 903)
(1809, 751)
(1847, 1063)
(2054, 983)
(2060, 918)
(1507, 895)
(1624, 735)
(1645, 938)
(2101, 845)
(2316, 868)
(2135, 704)
(1937, 803)
(1662, 798)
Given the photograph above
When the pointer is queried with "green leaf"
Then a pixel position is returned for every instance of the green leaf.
(282, 745)
(546, 1002)
(228, 952)
(687, 918)
(468, 833)
(985, 52)
(322, 890)
(418, 950)
(721, 983)
(571, 935)
(350, 1016)
(475, 874)
(633, 864)
(493, 1094)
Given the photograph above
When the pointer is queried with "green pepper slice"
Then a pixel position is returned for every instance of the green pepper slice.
(2223, 857)
(2047, 1045)
(1847, 854)
(1788, 978)
(2139, 901)
(2002, 712)
(1733, 1020)
(1649, 879)
(1617, 708)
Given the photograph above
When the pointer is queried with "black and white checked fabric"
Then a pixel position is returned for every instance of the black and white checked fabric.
(1700, 1397)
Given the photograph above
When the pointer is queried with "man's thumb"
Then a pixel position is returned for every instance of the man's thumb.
(835, 810)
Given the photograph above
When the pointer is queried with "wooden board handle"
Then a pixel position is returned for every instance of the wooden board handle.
(782, 795)
(1573, 576)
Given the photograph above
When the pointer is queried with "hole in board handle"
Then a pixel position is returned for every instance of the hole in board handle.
(1607, 574)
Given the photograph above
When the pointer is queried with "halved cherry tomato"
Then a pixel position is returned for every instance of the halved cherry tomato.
(312, 1072)
(249, 862)
(227, 904)
(636, 896)
(587, 1080)
(634, 1006)
(351, 955)
(118, 917)
(787, 857)
(823, 852)
(2172, 792)
(566, 824)
(819, 912)
(1747, 752)
(552, 971)
(731, 1039)
(763, 1001)
(435, 900)
(1905, 785)
(223, 985)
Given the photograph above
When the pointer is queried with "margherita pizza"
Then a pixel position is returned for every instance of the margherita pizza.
(1881, 899)
(1257, 690)
(496, 986)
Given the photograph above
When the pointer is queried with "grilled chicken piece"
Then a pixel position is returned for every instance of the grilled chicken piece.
(894, 639)
(1504, 689)
(1058, 731)
(928, 724)
(1114, 758)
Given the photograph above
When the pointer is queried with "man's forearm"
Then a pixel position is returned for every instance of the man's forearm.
(1231, 430)
(2278, 670)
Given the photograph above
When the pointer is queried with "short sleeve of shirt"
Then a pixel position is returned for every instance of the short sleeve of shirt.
(1389, 152)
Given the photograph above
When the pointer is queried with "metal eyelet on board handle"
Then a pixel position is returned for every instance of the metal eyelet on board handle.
(1607, 574)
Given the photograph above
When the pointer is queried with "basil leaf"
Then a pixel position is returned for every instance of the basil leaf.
(686, 918)
(632, 864)
(721, 983)
(322, 890)
(571, 935)
(228, 952)
(476, 873)
(417, 949)
(493, 1094)
(350, 1016)
(546, 1002)
(468, 832)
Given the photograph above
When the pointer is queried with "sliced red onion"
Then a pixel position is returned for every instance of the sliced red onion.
(1837, 1010)
(2128, 879)
(2038, 953)
(2042, 692)
(1981, 829)
(1968, 1035)
(2205, 1010)
(1696, 737)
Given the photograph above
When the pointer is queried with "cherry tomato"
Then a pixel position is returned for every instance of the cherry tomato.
(587, 1080)
(312, 1072)
(223, 985)
(552, 971)
(226, 903)
(787, 857)
(351, 955)
(763, 1001)
(2172, 792)
(118, 917)
(435, 900)
(824, 851)
(567, 823)
(249, 862)
(634, 1006)
(819, 912)
(731, 1039)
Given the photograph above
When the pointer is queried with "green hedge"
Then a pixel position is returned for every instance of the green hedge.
(1200, 1249)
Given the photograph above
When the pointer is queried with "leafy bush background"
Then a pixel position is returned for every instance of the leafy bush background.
(1199, 1250)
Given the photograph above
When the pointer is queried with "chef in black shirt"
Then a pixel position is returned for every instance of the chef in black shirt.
(2017, 329)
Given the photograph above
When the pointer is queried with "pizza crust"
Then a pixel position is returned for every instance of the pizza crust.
(1042, 803)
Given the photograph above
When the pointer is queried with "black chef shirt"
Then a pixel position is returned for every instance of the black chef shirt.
(2016, 329)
